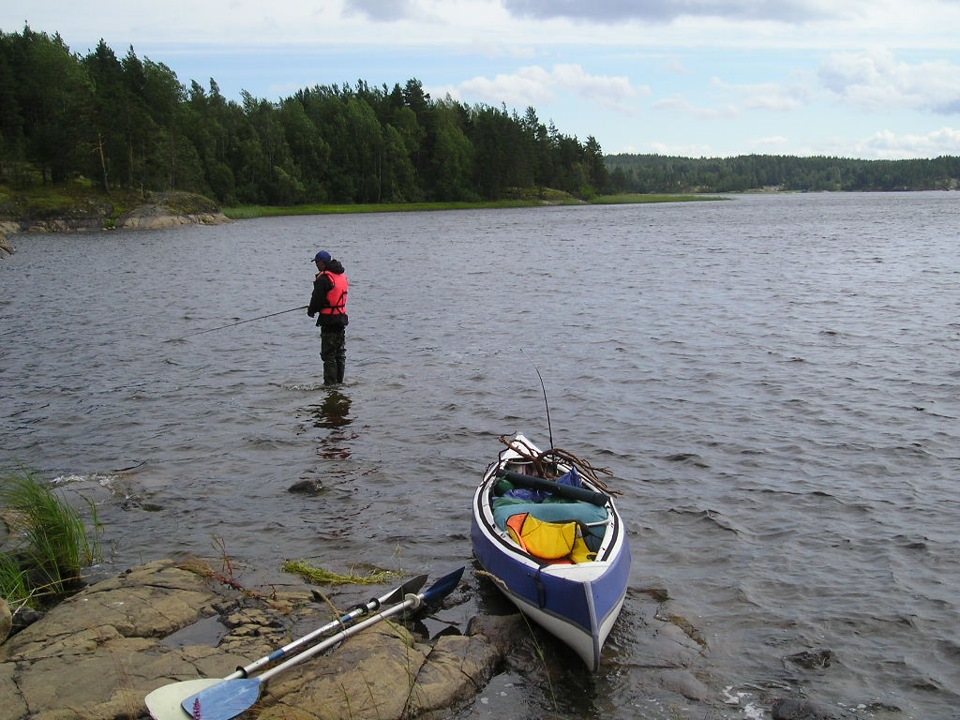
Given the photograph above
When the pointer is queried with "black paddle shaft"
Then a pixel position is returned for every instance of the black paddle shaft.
(532, 482)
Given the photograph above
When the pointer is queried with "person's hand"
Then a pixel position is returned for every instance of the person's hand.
(310, 313)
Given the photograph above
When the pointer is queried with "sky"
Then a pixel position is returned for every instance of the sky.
(871, 79)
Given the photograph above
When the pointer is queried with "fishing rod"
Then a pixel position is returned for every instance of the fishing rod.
(241, 322)
(546, 404)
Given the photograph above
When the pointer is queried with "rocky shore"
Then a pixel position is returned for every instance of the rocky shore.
(155, 211)
(97, 655)
(7, 228)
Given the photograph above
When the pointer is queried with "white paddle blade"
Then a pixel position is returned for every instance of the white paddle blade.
(223, 701)
(164, 702)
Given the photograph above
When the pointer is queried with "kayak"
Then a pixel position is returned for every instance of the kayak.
(549, 533)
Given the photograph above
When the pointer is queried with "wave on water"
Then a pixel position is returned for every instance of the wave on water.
(99, 479)
(775, 392)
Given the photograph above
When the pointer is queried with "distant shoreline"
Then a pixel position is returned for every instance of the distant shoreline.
(245, 212)
(89, 212)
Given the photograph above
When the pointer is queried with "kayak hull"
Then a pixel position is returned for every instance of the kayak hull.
(576, 602)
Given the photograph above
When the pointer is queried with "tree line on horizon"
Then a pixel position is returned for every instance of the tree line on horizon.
(662, 173)
(128, 123)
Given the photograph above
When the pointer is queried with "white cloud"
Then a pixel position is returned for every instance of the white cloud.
(877, 81)
(675, 66)
(681, 105)
(888, 145)
(607, 91)
(689, 150)
(730, 100)
(535, 85)
(381, 25)
(386, 10)
(615, 11)
(773, 96)
(530, 85)
(772, 144)
(883, 145)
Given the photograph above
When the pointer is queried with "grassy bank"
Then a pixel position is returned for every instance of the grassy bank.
(79, 203)
(245, 212)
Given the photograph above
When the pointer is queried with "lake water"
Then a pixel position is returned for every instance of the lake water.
(774, 381)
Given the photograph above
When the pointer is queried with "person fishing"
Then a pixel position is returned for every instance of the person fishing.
(329, 301)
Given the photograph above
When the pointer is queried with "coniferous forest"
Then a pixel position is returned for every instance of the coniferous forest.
(659, 173)
(129, 123)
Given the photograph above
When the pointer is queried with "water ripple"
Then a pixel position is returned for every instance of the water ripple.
(772, 381)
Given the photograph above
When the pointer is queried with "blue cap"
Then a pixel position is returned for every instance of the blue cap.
(322, 256)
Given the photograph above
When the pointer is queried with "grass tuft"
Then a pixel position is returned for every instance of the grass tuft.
(13, 581)
(50, 546)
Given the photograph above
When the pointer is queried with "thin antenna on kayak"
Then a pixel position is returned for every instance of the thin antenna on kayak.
(546, 404)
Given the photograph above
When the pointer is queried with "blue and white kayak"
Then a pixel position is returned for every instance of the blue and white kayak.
(556, 546)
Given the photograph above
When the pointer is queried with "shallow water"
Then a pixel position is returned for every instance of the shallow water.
(772, 379)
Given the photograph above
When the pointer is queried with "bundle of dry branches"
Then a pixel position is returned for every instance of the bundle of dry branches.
(545, 463)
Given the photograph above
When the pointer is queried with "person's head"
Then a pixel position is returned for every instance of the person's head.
(321, 259)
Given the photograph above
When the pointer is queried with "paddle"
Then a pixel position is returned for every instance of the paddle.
(532, 482)
(164, 702)
(231, 697)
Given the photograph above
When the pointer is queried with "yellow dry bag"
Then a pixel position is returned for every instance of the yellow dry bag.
(546, 540)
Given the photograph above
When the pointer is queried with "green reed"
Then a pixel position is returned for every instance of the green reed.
(49, 542)
(13, 581)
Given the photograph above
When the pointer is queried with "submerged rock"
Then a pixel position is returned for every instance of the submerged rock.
(306, 487)
(816, 659)
(802, 709)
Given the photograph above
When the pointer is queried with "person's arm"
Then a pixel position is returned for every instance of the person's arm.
(318, 300)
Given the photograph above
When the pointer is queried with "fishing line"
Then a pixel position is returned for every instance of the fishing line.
(546, 404)
(241, 322)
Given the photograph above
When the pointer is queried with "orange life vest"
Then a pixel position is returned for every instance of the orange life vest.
(337, 296)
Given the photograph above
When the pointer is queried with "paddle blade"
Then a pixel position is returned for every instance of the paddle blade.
(442, 587)
(223, 701)
(164, 702)
(411, 586)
